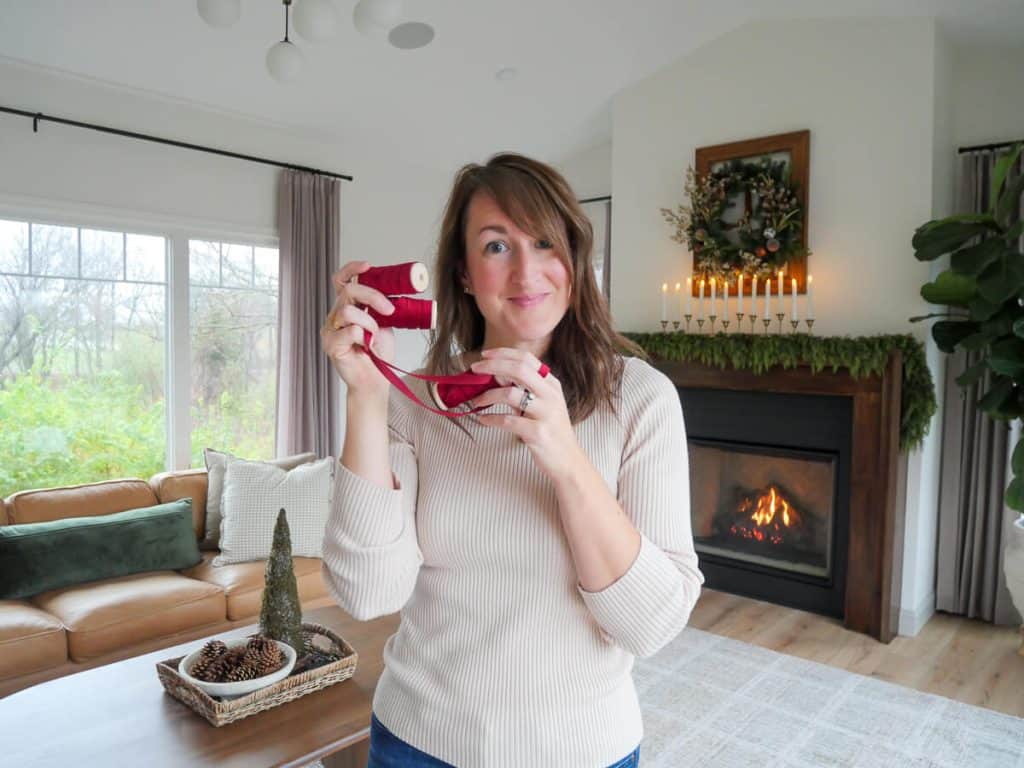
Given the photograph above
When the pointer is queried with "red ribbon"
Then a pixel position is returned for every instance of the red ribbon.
(452, 390)
(409, 313)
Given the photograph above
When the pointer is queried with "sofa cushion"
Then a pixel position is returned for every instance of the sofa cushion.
(185, 484)
(216, 466)
(36, 557)
(103, 498)
(243, 582)
(254, 493)
(30, 639)
(108, 615)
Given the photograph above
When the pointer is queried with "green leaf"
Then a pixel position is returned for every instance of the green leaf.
(1014, 495)
(1015, 232)
(949, 288)
(1001, 389)
(1010, 201)
(977, 340)
(1007, 357)
(999, 173)
(982, 310)
(1018, 328)
(919, 318)
(949, 333)
(973, 374)
(974, 258)
(1002, 278)
(1017, 460)
(944, 235)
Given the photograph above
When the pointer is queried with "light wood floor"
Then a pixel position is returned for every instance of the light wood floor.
(962, 659)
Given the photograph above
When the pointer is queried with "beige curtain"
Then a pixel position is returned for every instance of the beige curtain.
(309, 222)
(973, 521)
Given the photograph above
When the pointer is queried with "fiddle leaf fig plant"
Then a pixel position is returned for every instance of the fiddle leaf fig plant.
(983, 289)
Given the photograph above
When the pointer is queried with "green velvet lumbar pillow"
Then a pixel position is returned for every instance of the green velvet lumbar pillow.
(36, 557)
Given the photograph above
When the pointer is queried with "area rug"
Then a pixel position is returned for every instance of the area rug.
(713, 701)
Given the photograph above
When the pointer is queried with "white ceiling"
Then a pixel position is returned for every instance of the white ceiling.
(441, 102)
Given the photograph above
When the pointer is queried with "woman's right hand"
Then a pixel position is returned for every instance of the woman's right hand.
(342, 335)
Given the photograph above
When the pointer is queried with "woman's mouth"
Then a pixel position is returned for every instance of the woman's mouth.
(528, 299)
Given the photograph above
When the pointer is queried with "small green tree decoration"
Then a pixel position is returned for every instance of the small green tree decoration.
(984, 289)
(281, 612)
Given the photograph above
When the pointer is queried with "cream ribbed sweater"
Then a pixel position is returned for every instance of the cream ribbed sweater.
(501, 658)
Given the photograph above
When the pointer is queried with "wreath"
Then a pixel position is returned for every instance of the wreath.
(761, 241)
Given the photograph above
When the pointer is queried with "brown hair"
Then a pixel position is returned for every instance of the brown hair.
(584, 350)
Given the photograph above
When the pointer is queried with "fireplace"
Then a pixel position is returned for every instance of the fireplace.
(769, 494)
(765, 506)
(793, 484)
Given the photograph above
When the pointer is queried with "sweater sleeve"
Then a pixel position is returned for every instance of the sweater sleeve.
(651, 602)
(371, 556)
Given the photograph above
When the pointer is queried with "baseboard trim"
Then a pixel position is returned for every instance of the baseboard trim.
(912, 621)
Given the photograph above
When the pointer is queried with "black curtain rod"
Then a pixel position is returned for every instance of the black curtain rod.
(596, 199)
(37, 116)
(983, 147)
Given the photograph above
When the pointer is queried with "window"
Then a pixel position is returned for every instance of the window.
(99, 370)
(82, 373)
(233, 327)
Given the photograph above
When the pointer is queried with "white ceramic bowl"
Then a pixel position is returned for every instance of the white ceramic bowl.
(242, 687)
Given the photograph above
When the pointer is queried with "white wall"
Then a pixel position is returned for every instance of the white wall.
(867, 90)
(916, 592)
(589, 172)
(390, 212)
(987, 106)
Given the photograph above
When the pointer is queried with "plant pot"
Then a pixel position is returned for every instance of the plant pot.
(1013, 566)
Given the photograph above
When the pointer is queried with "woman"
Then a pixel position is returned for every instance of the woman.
(537, 549)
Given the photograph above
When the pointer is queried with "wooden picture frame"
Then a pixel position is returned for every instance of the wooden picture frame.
(797, 145)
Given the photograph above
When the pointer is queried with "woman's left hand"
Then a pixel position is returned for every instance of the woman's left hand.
(545, 425)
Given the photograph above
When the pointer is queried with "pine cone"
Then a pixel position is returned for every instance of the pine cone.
(241, 672)
(224, 664)
(213, 649)
(201, 668)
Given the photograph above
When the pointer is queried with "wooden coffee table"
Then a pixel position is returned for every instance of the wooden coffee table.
(120, 715)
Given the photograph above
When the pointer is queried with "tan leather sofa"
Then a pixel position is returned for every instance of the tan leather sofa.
(75, 628)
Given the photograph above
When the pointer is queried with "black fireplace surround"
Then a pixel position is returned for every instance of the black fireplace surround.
(815, 431)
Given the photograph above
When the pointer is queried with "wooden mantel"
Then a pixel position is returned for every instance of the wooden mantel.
(873, 478)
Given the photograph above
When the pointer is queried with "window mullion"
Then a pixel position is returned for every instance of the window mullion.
(178, 356)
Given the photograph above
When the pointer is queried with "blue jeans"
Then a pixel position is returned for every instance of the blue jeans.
(389, 751)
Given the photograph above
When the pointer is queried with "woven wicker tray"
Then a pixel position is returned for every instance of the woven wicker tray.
(220, 713)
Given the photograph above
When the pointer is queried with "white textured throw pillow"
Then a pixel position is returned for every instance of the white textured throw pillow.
(254, 491)
(216, 463)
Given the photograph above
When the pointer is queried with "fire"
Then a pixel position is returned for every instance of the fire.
(770, 514)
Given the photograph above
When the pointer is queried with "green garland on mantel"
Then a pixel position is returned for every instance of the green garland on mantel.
(862, 356)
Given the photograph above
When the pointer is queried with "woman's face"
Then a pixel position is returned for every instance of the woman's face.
(520, 284)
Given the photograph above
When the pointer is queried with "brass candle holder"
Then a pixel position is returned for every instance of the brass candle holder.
(700, 324)
(810, 324)
(675, 326)
(664, 326)
(739, 322)
(767, 321)
(780, 316)
(687, 318)
(712, 318)
(794, 324)
(753, 321)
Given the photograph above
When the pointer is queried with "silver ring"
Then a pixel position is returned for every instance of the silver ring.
(525, 402)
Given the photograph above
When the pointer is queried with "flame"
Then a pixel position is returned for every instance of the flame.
(770, 514)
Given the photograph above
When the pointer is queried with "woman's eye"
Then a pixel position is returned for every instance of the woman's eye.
(496, 246)
(544, 244)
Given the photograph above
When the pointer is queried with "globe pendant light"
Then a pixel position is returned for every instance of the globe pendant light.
(375, 18)
(284, 60)
(220, 13)
(316, 20)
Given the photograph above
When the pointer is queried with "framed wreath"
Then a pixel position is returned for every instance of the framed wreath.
(747, 209)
